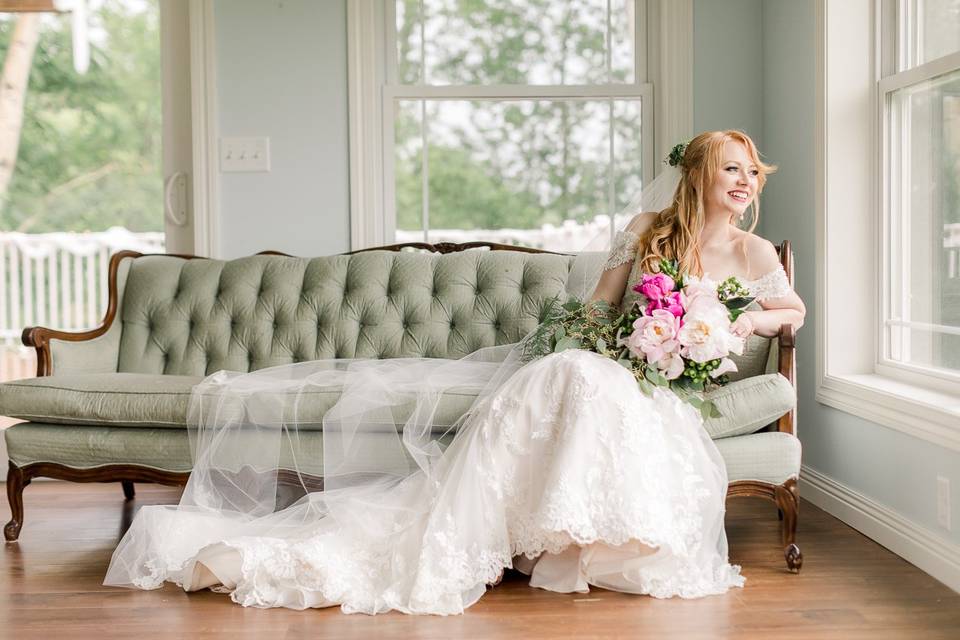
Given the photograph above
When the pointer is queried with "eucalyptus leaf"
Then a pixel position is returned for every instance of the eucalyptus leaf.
(650, 375)
(601, 345)
(567, 343)
(738, 303)
(705, 409)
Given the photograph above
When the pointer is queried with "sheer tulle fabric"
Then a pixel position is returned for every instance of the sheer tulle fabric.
(560, 465)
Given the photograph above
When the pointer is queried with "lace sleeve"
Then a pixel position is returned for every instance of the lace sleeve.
(771, 285)
(624, 249)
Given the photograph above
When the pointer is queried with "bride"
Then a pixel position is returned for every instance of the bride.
(561, 467)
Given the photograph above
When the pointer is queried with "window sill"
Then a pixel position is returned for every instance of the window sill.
(917, 411)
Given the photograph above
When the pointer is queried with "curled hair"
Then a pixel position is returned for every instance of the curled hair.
(675, 232)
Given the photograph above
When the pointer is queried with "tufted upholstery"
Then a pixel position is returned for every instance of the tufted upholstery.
(194, 317)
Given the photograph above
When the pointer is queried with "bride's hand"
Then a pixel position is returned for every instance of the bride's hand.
(743, 326)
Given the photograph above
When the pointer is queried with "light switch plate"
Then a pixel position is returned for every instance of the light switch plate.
(244, 154)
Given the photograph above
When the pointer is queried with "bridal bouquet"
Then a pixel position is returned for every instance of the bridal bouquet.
(677, 335)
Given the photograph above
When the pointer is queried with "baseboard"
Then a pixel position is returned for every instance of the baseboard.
(916, 544)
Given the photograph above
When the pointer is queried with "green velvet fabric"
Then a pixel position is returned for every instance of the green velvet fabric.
(768, 457)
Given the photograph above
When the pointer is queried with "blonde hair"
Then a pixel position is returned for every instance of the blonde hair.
(675, 232)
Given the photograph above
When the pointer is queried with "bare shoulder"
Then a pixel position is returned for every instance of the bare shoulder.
(640, 222)
(762, 254)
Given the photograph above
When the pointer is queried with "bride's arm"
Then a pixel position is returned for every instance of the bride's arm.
(613, 281)
(786, 309)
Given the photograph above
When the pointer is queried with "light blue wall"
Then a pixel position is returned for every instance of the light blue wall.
(892, 468)
(728, 66)
(282, 72)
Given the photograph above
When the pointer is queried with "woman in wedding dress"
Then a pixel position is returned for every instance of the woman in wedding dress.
(562, 468)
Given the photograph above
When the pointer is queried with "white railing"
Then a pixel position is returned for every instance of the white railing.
(57, 280)
(569, 236)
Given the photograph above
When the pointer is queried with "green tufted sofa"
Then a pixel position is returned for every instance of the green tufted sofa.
(110, 404)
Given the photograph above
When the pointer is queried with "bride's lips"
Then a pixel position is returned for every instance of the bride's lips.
(739, 195)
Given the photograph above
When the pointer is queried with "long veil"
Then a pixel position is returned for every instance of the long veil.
(355, 445)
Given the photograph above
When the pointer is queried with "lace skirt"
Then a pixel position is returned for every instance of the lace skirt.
(568, 473)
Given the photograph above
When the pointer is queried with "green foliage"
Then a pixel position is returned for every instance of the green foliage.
(90, 148)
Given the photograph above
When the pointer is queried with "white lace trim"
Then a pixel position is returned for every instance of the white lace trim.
(770, 285)
(624, 249)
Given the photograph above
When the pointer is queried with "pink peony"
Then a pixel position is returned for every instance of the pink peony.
(671, 303)
(655, 285)
(654, 336)
(671, 366)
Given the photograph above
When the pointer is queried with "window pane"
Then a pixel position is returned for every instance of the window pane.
(531, 172)
(467, 42)
(934, 30)
(408, 167)
(924, 229)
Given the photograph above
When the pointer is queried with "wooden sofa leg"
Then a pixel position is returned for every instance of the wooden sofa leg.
(128, 491)
(788, 501)
(16, 481)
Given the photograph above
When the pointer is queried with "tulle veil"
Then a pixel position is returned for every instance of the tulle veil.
(255, 449)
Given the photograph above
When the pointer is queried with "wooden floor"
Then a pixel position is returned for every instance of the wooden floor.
(849, 588)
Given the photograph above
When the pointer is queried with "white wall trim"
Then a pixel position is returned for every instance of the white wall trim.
(672, 72)
(926, 549)
(915, 411)
(366, 66)
(206, 174)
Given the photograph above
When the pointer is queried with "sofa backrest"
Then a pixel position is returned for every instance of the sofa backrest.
(194, 317)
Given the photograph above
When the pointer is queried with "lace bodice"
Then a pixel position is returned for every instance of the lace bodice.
(770, 285)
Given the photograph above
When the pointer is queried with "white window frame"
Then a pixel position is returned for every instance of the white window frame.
(666, 63)
(851, 238)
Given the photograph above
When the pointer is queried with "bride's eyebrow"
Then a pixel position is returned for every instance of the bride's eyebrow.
(752, 164)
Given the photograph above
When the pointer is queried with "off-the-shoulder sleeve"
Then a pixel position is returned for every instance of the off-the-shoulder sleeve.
(624, 249)
(771, 285)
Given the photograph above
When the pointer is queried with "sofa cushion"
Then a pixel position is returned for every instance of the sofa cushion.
(127, 399)
(749, 404)
(772, 457)
(149, 400)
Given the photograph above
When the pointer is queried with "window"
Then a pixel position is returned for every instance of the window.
(521, 123)
(919, 94)
(885, 129)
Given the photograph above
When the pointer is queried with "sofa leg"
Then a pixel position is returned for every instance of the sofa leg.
(128, 491)
(788, 501)
(16, 481)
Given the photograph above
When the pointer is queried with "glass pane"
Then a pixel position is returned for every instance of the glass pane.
(530, 172)
(532, 42)
(408, 170)
(925, 225)
(935, 29)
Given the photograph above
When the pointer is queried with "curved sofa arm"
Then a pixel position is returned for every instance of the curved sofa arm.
(93, 351)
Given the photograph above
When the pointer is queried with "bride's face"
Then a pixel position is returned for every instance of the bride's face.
(735, 186)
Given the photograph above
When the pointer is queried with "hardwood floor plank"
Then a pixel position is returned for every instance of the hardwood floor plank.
(850, 588)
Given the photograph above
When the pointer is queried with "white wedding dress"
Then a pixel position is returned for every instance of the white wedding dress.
(568, 472)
